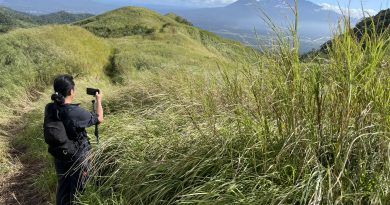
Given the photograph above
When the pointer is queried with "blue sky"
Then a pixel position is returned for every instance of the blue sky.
(371, 7)
(368, 4)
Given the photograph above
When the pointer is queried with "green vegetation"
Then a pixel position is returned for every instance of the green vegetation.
(125, 22)
(179, 19)
(30, 58)
(193, 118)
(61, 17)
(10, 19)
(161, 51)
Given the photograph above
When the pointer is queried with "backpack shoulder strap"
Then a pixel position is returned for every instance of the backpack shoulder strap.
(50, 112)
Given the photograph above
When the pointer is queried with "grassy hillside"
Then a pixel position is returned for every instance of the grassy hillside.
(169, 37)
(30, 58)
(193, 118)
(198, 52)
(11, 19)
(125, 22)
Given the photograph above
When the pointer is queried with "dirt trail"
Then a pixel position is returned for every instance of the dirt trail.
(16, 186)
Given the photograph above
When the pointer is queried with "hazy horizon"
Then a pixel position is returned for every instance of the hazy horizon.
(355, 6)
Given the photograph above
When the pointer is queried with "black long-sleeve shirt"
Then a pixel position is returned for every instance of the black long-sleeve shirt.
(76, 119)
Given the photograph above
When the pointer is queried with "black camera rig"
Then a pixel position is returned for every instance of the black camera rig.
(93, 91)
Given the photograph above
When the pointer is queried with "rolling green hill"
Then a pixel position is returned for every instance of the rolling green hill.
(193, 118)
(145, 40)
(11, 19)
(126, 21)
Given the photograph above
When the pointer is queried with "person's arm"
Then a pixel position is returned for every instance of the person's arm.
(99, 107)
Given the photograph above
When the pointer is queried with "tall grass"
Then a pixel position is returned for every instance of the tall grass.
(272, 131)
(181, 129)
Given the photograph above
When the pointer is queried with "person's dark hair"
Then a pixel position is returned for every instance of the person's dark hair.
(62, 86)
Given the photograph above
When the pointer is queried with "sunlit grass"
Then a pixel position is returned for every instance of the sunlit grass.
(275, 131)
(196, 119)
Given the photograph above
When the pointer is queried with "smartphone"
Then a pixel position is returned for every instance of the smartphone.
(92, 91)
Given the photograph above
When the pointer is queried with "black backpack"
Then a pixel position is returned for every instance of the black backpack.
(60, 146)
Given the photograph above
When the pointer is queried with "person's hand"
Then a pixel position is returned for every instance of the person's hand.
(99, 96)
(99, 108)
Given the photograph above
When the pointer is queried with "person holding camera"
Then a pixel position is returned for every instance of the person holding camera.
(65, 133)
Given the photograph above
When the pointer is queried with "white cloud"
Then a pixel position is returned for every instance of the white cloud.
(356, 13)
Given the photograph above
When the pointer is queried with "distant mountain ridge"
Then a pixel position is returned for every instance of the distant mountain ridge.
(11, 19)
(375, 25)
(379, 23)
(280, 9)
(50, 6)
(239, 20)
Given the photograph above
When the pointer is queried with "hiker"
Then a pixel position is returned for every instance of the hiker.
(64, 129)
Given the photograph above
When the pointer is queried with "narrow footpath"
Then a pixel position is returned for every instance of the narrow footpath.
(16, 187)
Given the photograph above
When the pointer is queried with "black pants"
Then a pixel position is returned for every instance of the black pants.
(72, 176)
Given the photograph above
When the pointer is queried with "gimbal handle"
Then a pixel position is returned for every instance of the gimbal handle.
(97, 124)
